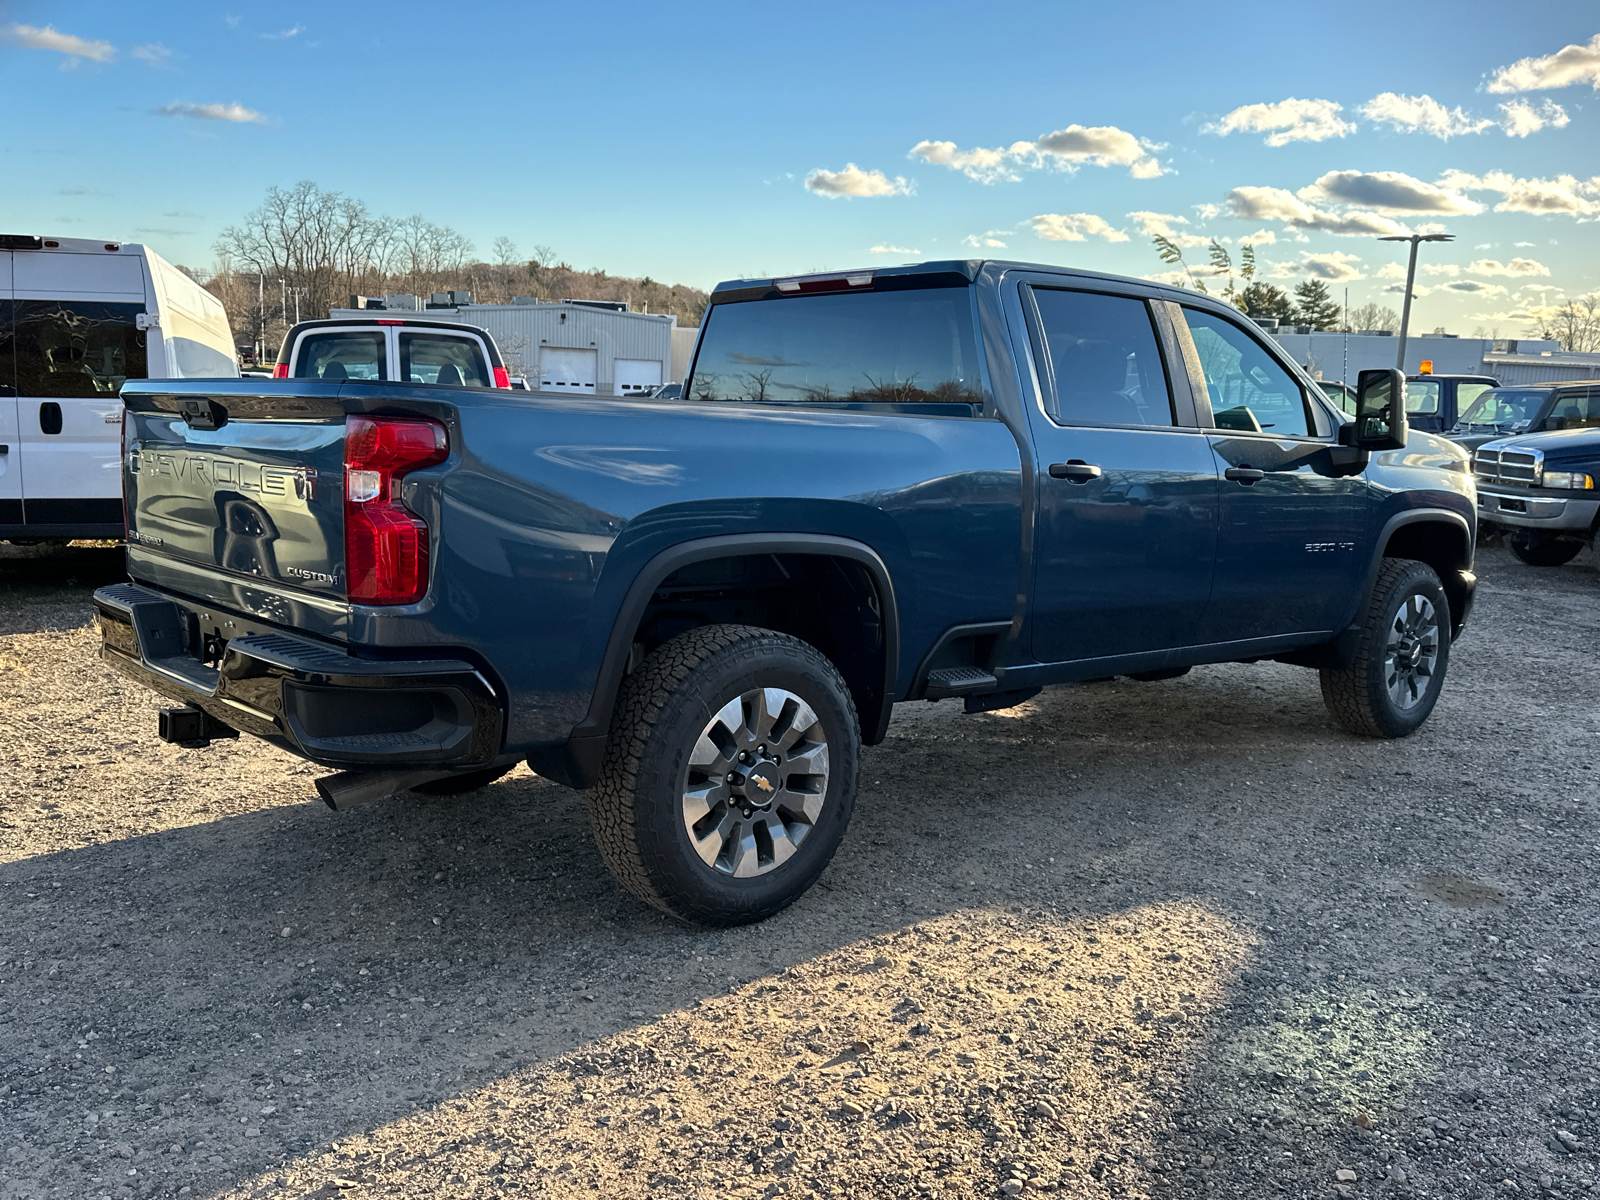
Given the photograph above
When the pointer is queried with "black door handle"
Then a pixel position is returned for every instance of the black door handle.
(50, 417)
(1244, 475)
(1074, 469)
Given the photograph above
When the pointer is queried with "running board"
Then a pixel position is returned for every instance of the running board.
(959, 681)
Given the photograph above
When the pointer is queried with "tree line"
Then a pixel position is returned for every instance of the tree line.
(306, 250)
(1312, 303)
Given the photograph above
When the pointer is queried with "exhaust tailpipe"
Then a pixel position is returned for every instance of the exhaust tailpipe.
(350, 788)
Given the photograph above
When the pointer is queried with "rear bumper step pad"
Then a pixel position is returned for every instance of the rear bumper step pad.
(331, 707)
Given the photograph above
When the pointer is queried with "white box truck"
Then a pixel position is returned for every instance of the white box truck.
(77, 318)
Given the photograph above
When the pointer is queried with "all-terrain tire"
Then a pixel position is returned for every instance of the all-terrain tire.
(467, 781)
(1540, 550)
(663, 713)
(1360, 696)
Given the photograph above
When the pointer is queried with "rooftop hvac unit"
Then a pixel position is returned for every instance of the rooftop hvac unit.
(403, 301)
(460, 298)
(526, 300)
(1377, 333)
(1270, 324)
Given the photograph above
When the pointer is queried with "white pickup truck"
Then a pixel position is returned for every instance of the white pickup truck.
(392, 349)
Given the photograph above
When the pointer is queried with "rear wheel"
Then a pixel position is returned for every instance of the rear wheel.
(730, 774)
(1401, 657)
(1542, 550)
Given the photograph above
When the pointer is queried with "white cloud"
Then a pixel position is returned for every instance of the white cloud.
(1472, 287)
(887, 248)
(1065, 149)
(1101, 146)
(1451, 269)
(1421, 114)
(1391, 270)
(986, 166)
(989, 240)
(1399, 289)
(1388, 192)
(1261, 237)
(48, 38)
(283, 34)
(1567, 66)
(1516, 268)
(236, 113)
(1207, 211)
(1520, 118)
(853, 182)
(1072, 227)
(1278, 204)
(1154, 224)
(1286, 121)
(1564, 195)
(154, 54)
(1329, 266)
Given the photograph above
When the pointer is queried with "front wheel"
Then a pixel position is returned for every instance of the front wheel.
(729, 776)
(1541, 550)
(1401, 657)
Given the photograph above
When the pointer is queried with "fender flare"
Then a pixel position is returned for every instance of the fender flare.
(577, 763)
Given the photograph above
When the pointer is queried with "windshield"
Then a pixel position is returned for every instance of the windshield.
(1504, 406)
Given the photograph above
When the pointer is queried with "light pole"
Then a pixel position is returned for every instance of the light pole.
(1411, 278)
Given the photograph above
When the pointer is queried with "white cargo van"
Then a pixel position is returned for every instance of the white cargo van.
(77, 317)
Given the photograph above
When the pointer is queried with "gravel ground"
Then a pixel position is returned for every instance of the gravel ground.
(1168, 940)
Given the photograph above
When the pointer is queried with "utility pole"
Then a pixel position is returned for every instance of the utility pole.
(1411, 278)
(1344, 374)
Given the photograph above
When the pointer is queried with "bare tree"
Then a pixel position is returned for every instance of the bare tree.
(1575, 324)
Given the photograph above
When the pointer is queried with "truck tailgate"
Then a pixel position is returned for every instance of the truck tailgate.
(241, 485)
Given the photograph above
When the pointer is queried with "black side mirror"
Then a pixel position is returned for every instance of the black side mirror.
(1381, 410)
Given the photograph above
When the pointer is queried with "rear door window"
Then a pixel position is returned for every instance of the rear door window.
(1100, 362)
(1422, 397)
(338, 355)
(68, 348)
(444, 359)
(870, 347)
(1249, 391)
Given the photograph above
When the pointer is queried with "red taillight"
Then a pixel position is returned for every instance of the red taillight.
(502, 377)
(281, 371)
(385, 543)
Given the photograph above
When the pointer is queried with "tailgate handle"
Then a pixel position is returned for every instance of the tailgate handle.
(201, 412)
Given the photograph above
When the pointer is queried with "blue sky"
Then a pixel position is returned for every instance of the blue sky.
(697, 142)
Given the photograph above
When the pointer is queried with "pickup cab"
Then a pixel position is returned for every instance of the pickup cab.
(954, 480)
(1435, 402)
(401, 349)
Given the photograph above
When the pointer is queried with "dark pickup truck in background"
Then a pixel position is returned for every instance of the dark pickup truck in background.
(1528, 408)
(956, 479)
(1539, 490)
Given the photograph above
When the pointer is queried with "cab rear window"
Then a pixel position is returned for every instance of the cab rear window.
(337, 356)
(442, 359)
(874, 347)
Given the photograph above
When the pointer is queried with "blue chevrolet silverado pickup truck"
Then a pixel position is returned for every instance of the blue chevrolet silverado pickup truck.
(954, 479)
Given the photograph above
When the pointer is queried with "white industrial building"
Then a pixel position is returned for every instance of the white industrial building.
(579, 347)
(1341, 357)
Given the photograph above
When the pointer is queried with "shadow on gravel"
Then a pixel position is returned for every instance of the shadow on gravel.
(451, 996)
(56, 572)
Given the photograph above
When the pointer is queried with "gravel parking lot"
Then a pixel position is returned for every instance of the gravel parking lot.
(1171, 939)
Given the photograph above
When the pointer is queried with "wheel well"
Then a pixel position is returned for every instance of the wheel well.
(830, 602)
(1444, 546)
